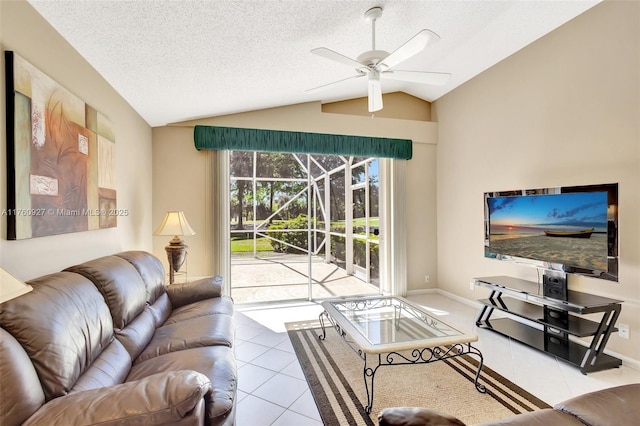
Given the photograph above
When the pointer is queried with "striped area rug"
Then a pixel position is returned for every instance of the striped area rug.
(334, 373)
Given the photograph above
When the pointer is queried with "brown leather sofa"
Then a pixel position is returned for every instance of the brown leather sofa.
(106, 342)
(613, 406)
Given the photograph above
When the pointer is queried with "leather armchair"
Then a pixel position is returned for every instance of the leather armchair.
(613, 406)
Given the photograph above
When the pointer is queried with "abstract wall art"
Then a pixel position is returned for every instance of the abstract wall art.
(60, 158)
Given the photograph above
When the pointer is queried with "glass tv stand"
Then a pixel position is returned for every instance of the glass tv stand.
(548, 324)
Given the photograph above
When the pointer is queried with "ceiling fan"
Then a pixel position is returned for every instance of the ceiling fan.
(377, 64)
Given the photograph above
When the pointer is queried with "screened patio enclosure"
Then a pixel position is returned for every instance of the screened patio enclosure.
(303, 226)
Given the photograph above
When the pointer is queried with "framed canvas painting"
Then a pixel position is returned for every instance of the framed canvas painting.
(60, 158)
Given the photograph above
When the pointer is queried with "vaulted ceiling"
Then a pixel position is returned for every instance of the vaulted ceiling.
(175, 60)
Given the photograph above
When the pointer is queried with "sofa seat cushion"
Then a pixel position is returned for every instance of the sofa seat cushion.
(216, 362)
(193, 333)
(605, 407)
(217, 305)
(545, 417)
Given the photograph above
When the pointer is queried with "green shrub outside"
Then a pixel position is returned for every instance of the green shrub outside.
(295, 238)
(338, 247)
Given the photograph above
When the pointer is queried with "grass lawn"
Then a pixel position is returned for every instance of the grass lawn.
(361, 221)
(246, 246)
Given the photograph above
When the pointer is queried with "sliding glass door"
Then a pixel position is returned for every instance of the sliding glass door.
(302, 226)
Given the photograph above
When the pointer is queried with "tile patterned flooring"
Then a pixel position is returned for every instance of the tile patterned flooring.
(272, 389)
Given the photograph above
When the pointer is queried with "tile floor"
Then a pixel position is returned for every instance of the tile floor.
(272, 389)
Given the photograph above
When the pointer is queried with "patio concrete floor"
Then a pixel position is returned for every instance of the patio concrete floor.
(284, 277)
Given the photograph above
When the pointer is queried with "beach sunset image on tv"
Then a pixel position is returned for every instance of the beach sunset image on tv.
(568, 228)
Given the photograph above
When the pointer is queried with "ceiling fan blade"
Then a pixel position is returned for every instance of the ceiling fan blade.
(335, 56)
(375, 92)
(410, 48)
(330, 85)
(431, 78)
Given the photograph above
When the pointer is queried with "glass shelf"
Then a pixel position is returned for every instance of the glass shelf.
(549, 324)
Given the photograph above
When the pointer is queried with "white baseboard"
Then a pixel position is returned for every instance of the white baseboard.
(472, 303)
(422, 291)
(626, 361)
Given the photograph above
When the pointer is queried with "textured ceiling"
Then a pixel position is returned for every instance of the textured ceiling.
(181, 59)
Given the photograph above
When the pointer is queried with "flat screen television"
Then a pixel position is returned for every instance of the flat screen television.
(560, 230)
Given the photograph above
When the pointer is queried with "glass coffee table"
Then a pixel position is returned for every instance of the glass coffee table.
(389, 330)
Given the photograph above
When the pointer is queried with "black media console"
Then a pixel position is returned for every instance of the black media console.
(548, 322)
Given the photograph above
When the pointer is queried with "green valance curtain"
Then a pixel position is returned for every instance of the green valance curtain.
(239, 139)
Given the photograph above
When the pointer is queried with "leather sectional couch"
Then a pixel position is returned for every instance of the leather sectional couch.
(106, 342)
(614, 406)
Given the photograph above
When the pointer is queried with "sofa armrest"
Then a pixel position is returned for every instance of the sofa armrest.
(415, 416)
(164, 398)
(186, 293)
(617, 405)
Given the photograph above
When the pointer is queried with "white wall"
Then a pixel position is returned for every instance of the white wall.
(23, 31)
(563, 111)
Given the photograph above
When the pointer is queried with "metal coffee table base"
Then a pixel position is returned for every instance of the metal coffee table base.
(373, 361)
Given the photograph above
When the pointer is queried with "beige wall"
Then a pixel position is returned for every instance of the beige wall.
(187, 186)
(180, 182)
(23, 31)
(396, 105)
(562, 111)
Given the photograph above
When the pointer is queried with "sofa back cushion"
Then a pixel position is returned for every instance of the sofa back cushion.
(110, 368)
(152, 272)
(138, 333)
(150, 269)
(63, 325)
(120, 284)
(20, 392)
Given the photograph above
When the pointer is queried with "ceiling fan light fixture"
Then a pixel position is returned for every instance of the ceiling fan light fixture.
(374, 75)
(375, 91)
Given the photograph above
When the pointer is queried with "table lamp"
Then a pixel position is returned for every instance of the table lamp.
(174, 223)
(11, 287)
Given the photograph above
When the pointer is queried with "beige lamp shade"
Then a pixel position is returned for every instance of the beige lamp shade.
(174, 223)
(11, 287)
